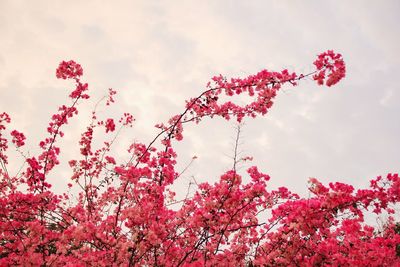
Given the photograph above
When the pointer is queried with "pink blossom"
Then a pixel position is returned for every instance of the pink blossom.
(128, 214)
(18, 138)
(69, 70)
(110, 125)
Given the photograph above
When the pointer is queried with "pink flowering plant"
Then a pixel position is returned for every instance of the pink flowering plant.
(123, 216)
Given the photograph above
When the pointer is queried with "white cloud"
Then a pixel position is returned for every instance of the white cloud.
(157, 54)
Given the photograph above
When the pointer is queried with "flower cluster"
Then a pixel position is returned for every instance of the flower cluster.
(125, 213)
(69, 70)
(330, 68)
(4, 119)
(110, 125)
(18, 138)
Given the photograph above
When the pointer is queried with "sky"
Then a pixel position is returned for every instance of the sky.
(157, 54)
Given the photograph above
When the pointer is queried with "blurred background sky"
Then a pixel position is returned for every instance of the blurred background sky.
(157, 54)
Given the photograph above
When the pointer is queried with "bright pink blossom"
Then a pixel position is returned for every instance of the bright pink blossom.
(124, 212)
(110, 125)
(18, 138)
(69, 70)
(331, 65)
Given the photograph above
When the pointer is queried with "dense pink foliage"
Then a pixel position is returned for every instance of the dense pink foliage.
(123, 216)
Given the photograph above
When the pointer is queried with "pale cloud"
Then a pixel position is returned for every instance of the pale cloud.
(387, 98)
(159, 53)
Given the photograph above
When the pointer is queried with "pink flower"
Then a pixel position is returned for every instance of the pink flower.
(121, 215)
(110, 125)
(18, 138)
(331, 63)
(110, 160)
(69, 70)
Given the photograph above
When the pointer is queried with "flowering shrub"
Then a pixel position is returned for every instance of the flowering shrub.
(122, 214)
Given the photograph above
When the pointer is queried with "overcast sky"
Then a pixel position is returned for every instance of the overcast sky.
(159, 53)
